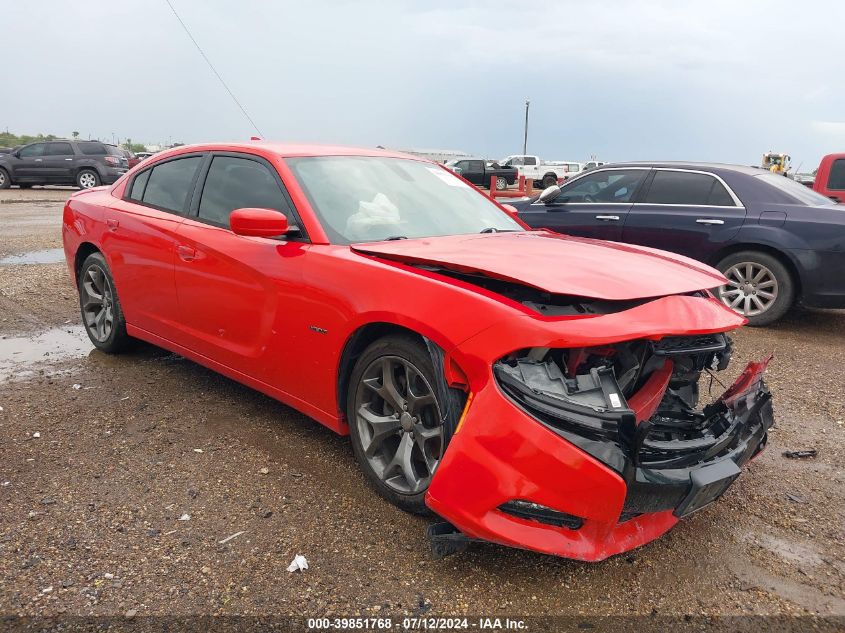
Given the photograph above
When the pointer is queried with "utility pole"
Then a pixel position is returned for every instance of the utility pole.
(525, 137)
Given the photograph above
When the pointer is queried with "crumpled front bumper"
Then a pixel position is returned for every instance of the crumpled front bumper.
(503, 453)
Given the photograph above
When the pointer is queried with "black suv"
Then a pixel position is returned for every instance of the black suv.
(85, 164)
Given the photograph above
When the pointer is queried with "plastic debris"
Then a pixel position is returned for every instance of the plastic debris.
(77, 386)
(264, 471)
(801, 454)
(37, 434)
(229, 538)
(299, 562)
(185, 517)
(795, 498)
(198, 450)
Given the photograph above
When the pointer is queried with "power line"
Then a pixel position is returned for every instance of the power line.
(213, 69)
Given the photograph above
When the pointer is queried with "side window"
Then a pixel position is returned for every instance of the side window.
(59, 149)
(476, 166)
(616, 185)
(170, 183)
(462, 165)
(530, 160)
(139, 184)
(837, 175)
(517, 161)
(679, 187)
(92, 149)
(237, 183)
(33, 151)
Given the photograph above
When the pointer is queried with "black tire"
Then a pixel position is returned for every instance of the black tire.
(549, 180)
(399, 348)
(87, 178)
(784, 285)
(114, 339)
(25, 186)
(5, 180)
(501, 183)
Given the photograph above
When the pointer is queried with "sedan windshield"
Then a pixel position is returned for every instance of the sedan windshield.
(369, 199)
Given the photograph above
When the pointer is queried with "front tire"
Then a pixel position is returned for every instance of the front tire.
(5, 181)
(760, 287)
(87, 179)
(395, 419)
(99, 304)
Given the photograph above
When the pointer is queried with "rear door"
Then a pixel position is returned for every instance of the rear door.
(593, 205)
(690, 212)
(58, 161)
(238, 295)
(141, 240)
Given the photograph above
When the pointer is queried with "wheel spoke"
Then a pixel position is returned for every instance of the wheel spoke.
(733, 304)
(759, 304)
(746, 305)
(766, 284)
(383, 426)
(401, 464)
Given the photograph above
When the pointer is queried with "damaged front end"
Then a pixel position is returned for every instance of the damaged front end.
(634, 406)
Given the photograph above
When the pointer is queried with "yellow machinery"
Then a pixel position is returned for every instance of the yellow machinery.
(776, 163)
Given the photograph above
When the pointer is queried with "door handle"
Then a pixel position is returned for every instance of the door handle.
(112, 224)
(39, 160)
(68, 159)
(608, 218)
(186, 253)
(709, 221)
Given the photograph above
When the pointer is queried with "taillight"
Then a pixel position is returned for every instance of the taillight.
(112, 160)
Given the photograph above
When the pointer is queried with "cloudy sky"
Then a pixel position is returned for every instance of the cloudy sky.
(718, 80)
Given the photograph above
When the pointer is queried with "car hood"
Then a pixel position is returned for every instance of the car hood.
(555, 263)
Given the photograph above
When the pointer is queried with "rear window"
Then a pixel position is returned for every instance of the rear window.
(796, 190)
(837, 175)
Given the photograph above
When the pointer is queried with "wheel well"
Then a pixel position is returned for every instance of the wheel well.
(769, 250)
(355, 346)
(82, 253)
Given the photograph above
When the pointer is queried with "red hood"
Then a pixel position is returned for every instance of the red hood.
(558, 264)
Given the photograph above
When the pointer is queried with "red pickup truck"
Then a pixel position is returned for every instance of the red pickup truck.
(830, 177)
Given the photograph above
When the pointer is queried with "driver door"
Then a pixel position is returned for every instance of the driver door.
(593, 205)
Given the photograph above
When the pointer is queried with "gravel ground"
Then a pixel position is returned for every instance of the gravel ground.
(103, 459)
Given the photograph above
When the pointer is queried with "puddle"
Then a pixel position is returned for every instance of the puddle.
(47, 256)
(24, 356)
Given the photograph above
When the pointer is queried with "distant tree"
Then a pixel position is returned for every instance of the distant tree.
(75, 135)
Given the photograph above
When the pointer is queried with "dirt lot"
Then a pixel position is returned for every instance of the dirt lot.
(102, 460)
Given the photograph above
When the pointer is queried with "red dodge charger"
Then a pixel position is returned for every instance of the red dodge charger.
(532, 389)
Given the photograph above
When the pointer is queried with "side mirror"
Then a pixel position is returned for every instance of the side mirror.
(549, 194)
(258, 222)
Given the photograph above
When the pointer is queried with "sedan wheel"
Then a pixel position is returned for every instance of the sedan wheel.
(102, 315)
(759, 286)
(752, 288)
(398, 425)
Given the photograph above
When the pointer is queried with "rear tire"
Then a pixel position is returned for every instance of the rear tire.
(5, 180)
(87, 179)
(396, 424)
(501, 183)
(761, 288)
(99, 304)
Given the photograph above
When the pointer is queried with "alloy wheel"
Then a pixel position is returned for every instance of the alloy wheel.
(87, 180)
(97, 303)
(501, 183)
(2, 178)
(399, 424)
(751, 289)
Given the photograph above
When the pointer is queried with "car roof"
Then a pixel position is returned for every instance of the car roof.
(670, 164)
(290, 150)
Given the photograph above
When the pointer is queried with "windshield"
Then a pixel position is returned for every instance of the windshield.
(369, 199)
(800, 192)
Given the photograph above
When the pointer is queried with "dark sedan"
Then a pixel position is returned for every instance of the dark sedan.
(776, 241)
